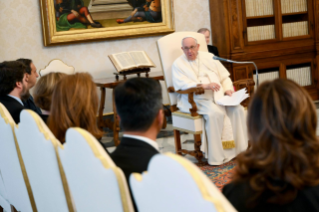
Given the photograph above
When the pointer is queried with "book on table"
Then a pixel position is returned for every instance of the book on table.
(235, 99)
(127, 61)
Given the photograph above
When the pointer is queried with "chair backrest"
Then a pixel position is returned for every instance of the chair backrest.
(57, 65)
(173, 183)
(94, 180)
(169, 48)
(15, 179)
(39, 149)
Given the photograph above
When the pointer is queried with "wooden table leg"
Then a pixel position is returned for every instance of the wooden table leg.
(116, 126)
(101, 108)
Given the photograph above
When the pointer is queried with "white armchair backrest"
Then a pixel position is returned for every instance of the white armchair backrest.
(13, 173)
(173, 183)
(169, 48)
(94, 180)
(39, 149)
(57, 65)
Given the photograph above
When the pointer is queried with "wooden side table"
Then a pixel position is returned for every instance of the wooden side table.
(111, 83)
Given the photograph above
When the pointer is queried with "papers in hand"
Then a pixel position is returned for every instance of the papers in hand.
(233, 100)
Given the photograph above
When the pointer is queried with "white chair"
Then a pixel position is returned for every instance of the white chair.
(169, 50)
(173, 183)
(57, 65)
(39, 149)
(4, 204)
(94, 180)
(12, 168)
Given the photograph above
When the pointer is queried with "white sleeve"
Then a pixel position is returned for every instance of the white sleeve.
(227, 84)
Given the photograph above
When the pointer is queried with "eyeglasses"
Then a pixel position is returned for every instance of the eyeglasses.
(189, 48)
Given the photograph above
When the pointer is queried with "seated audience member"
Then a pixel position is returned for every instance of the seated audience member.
(43, 91)
(139, 106)
(211, 49)
(12, 87)
(74, 104)
(280, 170)
(31, 79)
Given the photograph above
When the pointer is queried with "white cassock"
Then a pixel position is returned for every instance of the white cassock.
(225, 127)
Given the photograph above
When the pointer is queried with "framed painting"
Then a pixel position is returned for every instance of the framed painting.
(69, 21)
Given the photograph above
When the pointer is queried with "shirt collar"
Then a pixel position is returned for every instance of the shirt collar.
(142, 138)
(16, 98)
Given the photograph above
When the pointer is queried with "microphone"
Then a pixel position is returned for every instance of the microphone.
(239, 62)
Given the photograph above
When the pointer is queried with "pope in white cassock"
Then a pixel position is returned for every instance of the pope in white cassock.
(225, 127)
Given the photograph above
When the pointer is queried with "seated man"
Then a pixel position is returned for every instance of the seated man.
(211, 49)
(139, 106)
(226, 129)
(12, 87)
(31, 79)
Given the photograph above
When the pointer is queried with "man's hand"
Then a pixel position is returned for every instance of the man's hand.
(60, 9)
(229, 92)
(211, 86)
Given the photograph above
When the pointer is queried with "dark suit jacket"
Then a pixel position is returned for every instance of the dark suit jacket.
(239, 195)
(133, 155)
(213, 49)
(29, 104)
(13, 106)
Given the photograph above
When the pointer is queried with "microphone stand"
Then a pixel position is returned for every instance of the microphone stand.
(240, 62)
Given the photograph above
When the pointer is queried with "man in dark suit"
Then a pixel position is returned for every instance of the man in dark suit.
(211, 49)
(12, 87)
(31, 79)
(139, 106)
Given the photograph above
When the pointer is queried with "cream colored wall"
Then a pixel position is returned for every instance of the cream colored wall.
(21, 37)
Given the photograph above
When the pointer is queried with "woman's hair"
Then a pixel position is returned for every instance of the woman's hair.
(284, 153)
(74, 104)
(43, 90)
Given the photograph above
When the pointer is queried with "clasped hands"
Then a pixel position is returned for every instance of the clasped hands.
(215, 87)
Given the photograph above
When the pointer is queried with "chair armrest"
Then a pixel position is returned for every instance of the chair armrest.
(245, 82)
(190, 92)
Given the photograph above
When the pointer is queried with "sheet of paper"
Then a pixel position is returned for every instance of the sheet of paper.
(233, 100)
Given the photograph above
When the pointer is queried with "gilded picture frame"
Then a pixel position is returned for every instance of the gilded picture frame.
(58, 22)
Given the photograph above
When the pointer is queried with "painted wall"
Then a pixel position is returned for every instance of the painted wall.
(21, 37)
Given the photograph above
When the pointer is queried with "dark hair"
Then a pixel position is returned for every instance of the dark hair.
(27, 63)
(284, 154)
(11, 72)
(74, 104)
(138, 101)
(203, 30)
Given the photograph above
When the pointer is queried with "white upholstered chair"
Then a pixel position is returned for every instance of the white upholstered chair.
(170, 49)
(94, 180)
(173, 183)
(39, 149)
(57, 65)
(14, 177)
(4, 204)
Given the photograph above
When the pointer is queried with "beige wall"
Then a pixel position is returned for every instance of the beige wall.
(21, 36)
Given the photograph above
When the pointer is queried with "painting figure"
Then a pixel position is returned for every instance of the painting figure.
(73, 14)
(150, 11)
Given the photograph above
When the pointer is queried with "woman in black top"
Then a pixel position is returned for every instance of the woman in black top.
(280, 170)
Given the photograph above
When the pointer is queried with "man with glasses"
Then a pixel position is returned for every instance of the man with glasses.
(225, 127)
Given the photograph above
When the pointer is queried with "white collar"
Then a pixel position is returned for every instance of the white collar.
(16, 98)
(142, 138)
